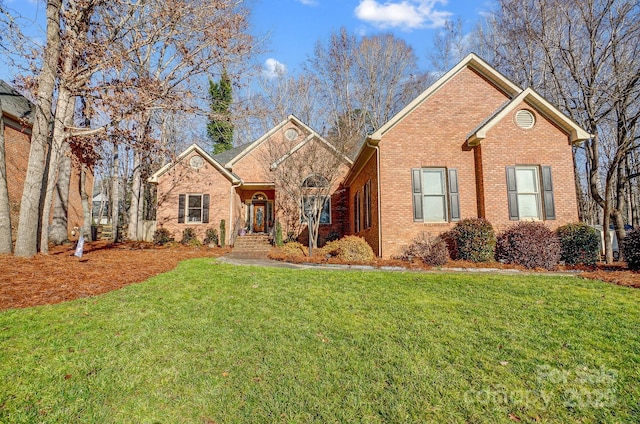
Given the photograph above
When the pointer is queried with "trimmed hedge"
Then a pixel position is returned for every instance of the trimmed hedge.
(530, 244)
(188, 235)
(432, 251)
(349, 249)
(631, 249)
(211, 236)
(472, 240)
(579, 244)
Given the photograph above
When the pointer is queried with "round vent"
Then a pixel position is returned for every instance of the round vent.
(525, 119)
(196, 162)
(291, 134)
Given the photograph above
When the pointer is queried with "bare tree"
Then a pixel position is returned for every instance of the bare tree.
(363, 82)
(306, 170)
(27, 237)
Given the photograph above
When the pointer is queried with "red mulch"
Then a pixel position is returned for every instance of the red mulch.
(60, 276)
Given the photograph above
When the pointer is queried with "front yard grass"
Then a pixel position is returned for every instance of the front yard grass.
(214, 343)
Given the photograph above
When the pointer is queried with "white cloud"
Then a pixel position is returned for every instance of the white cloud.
(273, 69)
(406, 14)
(308, 2)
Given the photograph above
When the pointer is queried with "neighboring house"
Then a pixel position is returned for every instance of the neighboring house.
(17, 117)
(241, 185)
(472, 145)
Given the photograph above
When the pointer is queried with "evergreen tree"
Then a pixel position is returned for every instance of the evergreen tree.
(220, 128)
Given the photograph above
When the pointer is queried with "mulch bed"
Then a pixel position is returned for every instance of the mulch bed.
(61, 276)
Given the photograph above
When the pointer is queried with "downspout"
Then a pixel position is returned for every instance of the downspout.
(232, 229)
(370, 143)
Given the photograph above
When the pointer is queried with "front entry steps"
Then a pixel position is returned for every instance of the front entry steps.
(251, 246)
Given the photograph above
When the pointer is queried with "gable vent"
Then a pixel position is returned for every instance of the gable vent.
(525, 119)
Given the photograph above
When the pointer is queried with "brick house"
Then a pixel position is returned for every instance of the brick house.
(472, 145)
(17, 118)
(240, 186)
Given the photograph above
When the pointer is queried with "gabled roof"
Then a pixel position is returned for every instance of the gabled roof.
(541, 105)
(194, 147)
(471, 61)
(15, 104)
(245, 149)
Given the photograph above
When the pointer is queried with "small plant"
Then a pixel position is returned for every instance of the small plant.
(223, 232)
(188, 234)
(162, 236)
(631, 249)
(432, 251)
(530, 244)
(333, 236)
(278, 239)
(579, 244)
(211, 236)
(349, 249)
(472, 240)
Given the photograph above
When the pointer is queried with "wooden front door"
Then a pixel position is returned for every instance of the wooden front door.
(259, 217)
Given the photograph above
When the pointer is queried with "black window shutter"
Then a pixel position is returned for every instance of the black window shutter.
(454, 195)
(547, 187)
(512, 192)
(181, 202)
(205, 208)
(416, 177)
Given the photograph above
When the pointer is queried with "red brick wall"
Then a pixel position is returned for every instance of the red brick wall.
(543, 145)
(433, 135)
(182, 179)
(17, 146)
(368, 173)
(17, 143)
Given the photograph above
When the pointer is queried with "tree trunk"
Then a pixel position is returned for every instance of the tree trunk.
(64, 113)
(86, 206)
(115, 196)
(6, 242)
(135, 215)
(27, 238)
(58, 233)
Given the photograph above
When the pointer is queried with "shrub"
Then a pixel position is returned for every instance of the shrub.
(579, 244)
(188, 234)
(349, 249)
(278, 239)
(211, 236)
(223, 232)
(530, 244)
(472, 240)
(162, 236)
(631, 249)
(293, 248)
(333, 236)
(432, 251)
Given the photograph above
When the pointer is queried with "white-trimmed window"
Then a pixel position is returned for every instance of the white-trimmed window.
(310, 203)
(193, 208)
(530, 190)
(435, 194)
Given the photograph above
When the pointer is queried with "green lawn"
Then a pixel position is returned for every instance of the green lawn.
(212, 343)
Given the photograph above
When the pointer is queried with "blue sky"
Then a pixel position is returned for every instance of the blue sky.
(294, 26)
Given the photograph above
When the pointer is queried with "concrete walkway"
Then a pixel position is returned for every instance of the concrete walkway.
(279, 264)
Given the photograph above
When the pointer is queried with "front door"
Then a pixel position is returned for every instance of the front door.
(258, 218)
